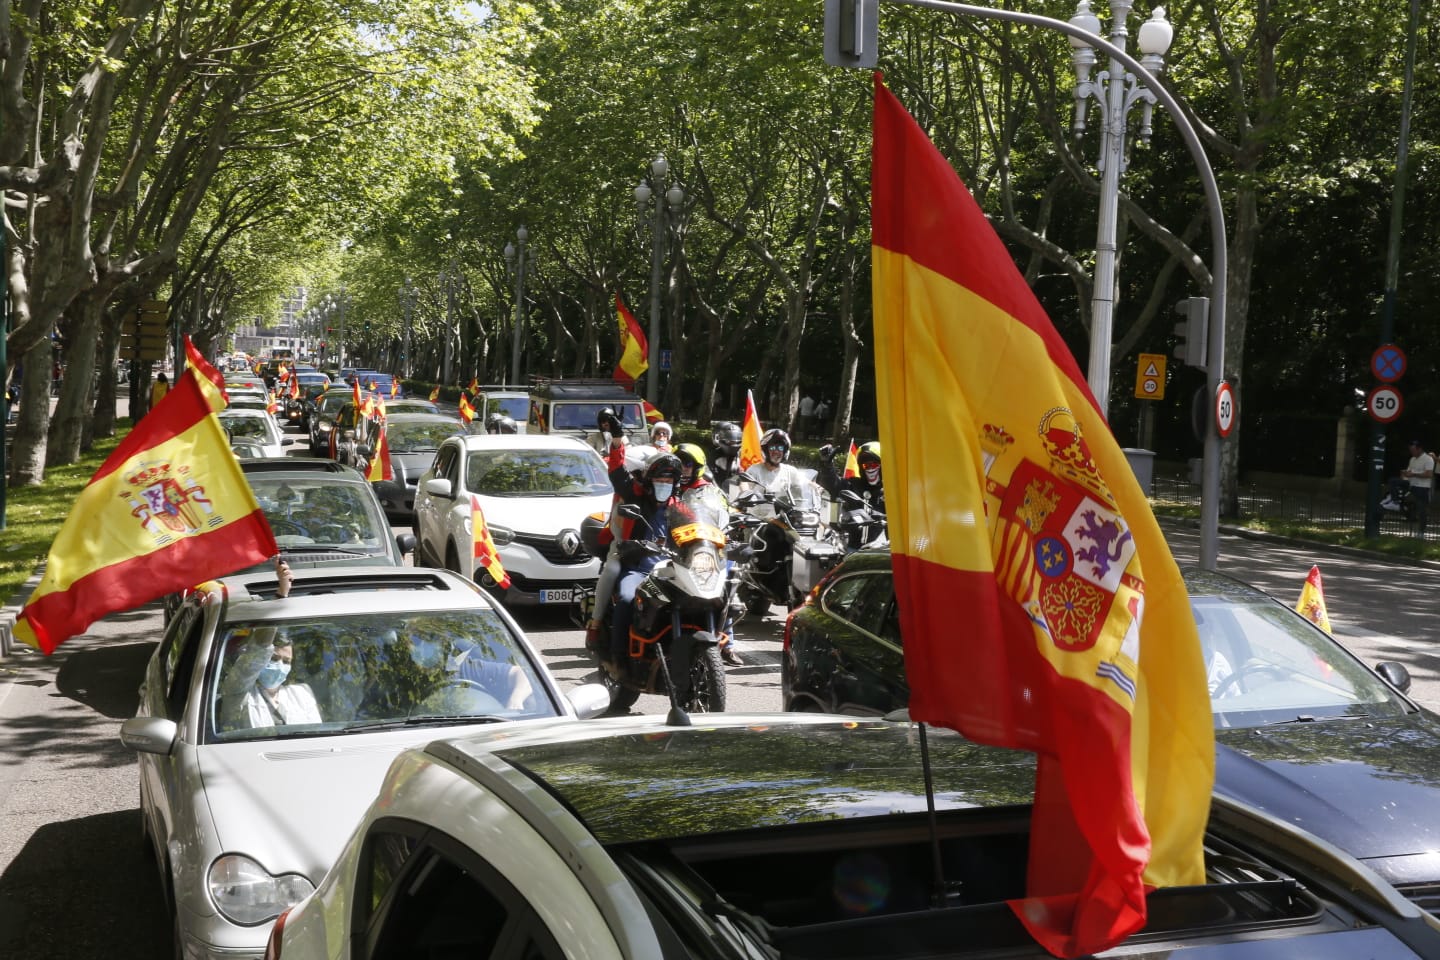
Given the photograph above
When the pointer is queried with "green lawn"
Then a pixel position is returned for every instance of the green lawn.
(33, 515)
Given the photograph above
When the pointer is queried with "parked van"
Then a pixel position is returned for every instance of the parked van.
(570, 407)
(510, 401)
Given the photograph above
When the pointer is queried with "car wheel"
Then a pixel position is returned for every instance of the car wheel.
(707, 680)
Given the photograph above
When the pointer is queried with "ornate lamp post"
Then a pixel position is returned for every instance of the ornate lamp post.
(674, 199)
(1117, 92)
(515, 262)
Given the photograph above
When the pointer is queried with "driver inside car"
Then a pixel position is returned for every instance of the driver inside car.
(504, 681)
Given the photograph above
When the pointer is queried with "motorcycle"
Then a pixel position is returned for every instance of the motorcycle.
(791, 549)
(858, 523)
(683, 611)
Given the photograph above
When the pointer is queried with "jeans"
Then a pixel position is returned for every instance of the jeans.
(1420, 498)
(630, 581)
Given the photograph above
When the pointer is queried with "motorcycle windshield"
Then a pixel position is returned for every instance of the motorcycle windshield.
(700, 513)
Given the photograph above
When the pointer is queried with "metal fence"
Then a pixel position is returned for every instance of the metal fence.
(1322, 509)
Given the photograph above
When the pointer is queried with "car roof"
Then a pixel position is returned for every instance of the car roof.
(524, 441)
(301, 466)
(420, 416)
(592, 390)
(365, 589)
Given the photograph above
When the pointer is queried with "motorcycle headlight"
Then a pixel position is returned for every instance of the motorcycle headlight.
(246, 894)
(323, 427)
(704, 568)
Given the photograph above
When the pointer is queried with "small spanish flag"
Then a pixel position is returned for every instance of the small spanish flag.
(379, 467)
(474, 387)
(852, 462)
(652, 412)
(394, 389)
(486, 556)
(435, 395)
(467, 412)
(633, 347)
(750, 452)
(1312, 601)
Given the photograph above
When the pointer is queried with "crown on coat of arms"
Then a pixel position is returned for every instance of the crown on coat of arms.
(152, 473)
(1069, 453)
(994, 439)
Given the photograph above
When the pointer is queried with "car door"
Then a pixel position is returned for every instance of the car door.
(430, 510)
(864, 635)
(167, 693)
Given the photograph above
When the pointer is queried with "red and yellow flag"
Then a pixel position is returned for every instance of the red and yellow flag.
(294, 388)
(1312, 601)
(486, 556)
(852, 462)
(367, 408)
(272, 406)
(474, 386)
(652, 412)
(168, 509)
(378, 411)
(282, 371)
(467, 412)
(634, 348)
(379, 467)
(359, 397)
(435, 395)
(750, 452)
(1011, 501)
(211, 381)
(370, 386)
(394, 389)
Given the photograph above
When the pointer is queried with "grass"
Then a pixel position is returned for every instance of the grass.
(1400, 546)
(34, 515)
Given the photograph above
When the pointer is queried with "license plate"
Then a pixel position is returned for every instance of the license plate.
(555, 596)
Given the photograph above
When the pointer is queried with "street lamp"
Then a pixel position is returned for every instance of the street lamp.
(674, 198)
(1117, 91)
(515, 262)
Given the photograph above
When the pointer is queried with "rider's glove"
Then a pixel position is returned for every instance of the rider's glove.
(826, 451)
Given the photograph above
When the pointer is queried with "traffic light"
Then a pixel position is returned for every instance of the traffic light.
(1193, 331)
(329, 329)
(852, 33)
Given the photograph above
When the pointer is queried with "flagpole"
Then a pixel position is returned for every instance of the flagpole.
(1215, 340)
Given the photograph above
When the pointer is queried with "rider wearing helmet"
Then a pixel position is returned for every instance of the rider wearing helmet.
(654, 494)
(773, 473)
(869, 485)
(499, 423)
(725, 439)
(660, 434)
(692, 466)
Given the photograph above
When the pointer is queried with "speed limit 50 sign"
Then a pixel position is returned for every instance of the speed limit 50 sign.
(1385, 403)
(1224, 409)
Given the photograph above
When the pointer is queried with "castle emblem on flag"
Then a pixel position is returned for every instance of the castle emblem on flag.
(168, 502)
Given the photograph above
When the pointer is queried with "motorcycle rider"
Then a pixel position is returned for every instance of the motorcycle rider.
(693, 477)
(632, 459)
(660, 434)
(869, 486)
(773, 473)
(654, 494)
(725, 438)
(500, 423)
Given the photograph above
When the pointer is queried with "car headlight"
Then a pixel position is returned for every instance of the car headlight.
(322, 427)
(246, 894)
(501, 535)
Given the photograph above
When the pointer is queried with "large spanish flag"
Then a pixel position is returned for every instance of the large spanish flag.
(211, 381)
(634, 348)
(168, 509)
(1040, 606)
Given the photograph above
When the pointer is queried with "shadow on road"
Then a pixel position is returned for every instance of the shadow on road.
(106, 678)
(54, 893)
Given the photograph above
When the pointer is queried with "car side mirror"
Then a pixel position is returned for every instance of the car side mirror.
(406, 543)
(438, 487)
(1395, 674)
(150, 735)
(630, 511)
(589, 700)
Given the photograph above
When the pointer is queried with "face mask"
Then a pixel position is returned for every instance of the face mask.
(663, 491)
(274, 674)
(872, 474)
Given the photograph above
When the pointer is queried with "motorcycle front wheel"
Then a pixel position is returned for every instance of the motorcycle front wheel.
(707, 681)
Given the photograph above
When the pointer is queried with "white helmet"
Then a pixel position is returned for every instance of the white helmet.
(637, 456)
(659, 425)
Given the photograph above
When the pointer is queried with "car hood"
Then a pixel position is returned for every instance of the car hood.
(543, 515)
(1370, 787)
(292, 804)
(411, 465)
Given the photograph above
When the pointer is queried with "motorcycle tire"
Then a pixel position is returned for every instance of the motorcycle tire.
(707, 681)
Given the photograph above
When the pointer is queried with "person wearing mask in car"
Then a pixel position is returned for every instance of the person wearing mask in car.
(254, 692)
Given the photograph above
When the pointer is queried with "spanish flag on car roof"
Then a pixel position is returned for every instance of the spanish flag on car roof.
(1040, 606)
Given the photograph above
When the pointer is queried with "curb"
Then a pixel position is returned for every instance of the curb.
(1355, 552)
(11, 611)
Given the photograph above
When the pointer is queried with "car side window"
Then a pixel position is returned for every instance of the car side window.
(180, 658)
(873, 604)
(842, 594)
(434, 897)
(443, 461)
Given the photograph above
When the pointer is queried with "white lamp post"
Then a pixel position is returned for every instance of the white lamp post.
(515, 260)
(674, 198)
(1117, 92)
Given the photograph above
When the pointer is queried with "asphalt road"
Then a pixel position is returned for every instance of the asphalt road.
(76, 882)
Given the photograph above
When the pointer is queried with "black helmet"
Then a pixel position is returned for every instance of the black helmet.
(726, 437)
(663, 466)
(608, 421)
(775, 437)
(691, 456)
(504, 424)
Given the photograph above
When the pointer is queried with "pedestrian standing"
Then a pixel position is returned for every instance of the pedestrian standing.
(807, 415)
(822, 411)
(1421, 474)
(158, 389)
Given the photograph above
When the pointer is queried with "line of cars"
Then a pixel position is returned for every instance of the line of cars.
(774, 835)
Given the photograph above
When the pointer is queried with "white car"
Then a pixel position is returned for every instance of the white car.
(248, 791)
(535, 491)
(257, 430)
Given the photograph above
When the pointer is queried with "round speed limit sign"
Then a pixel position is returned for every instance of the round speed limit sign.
(1385, 403)
(1224, 409)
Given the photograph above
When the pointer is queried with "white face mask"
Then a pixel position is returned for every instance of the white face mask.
(274, 674)
(663, 491)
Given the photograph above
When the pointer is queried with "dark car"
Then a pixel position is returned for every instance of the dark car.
(1303, 729)
(761, 836)
(413, 439)
(322, 417)
(312, 385)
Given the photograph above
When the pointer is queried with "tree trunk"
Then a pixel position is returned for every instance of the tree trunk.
(72, 410)
(1241, 267)
(27, 456)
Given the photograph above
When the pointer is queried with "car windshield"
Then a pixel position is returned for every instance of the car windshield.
(516, 408)
(423, 437)
(319, 511)
(536, 473)
(334, 400)
(581, 416)
(409, 405)
(340, 674)
(255, 427)
(1266, 664)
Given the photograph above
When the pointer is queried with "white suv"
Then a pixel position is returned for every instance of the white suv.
(534, 490)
